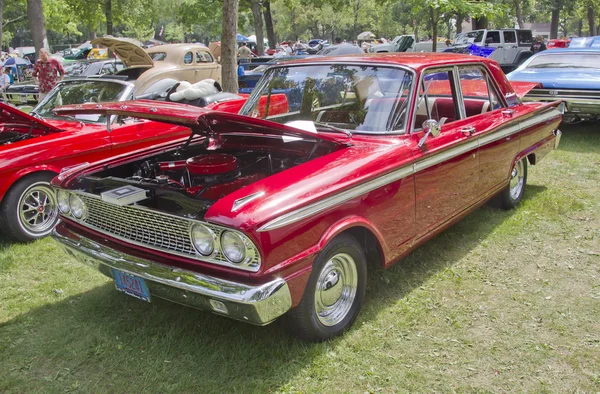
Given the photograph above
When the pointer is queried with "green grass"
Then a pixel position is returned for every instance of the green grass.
(501, 302)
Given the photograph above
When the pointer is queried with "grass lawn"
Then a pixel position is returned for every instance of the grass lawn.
(501, 302)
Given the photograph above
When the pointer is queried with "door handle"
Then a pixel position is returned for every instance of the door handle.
(468, 130)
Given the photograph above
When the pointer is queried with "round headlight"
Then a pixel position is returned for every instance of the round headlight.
(203, 239)
(63, 201)
(233, 247)
(77, 206)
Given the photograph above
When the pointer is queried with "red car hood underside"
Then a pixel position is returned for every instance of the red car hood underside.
(522, 88)
(200, 119)
(12, 116)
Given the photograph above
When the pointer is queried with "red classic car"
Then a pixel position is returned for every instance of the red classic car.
(34, 149)
(331, 164)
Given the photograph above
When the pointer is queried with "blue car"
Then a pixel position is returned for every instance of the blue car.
(568, 74)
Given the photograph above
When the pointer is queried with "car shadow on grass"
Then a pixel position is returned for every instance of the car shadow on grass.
(103, 340)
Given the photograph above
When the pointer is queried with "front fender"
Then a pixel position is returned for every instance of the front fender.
(15, 176)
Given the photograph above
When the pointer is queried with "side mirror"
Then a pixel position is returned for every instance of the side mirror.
(431, 127)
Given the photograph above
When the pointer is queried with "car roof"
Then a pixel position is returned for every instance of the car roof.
(563, 50)
(417, 61)
(176, 48)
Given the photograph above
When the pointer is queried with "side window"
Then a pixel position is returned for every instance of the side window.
(509, 37)
(493, 37)
(203, 57)
(437, 99)
(188, 58)
(120, 66)
(479, 95)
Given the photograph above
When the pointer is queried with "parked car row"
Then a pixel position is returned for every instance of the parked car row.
(273, 204)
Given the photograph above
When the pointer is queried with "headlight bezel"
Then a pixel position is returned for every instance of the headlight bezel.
(65, 194)
(76, 198)
(212, 235)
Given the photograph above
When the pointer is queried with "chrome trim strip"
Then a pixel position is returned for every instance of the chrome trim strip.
(240, 202)
(260, 304)
(328, 202)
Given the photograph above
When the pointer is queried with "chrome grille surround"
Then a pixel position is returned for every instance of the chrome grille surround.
(156, 230)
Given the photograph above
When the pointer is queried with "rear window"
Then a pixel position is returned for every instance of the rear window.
(560, 60)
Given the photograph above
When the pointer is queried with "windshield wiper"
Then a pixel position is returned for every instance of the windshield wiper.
(339, 130)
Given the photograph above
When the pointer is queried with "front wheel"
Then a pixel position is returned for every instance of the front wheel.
(334, 293)
(513, 192)
(29, 209)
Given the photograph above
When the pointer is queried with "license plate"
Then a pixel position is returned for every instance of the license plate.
(131, 285)
(23, 99)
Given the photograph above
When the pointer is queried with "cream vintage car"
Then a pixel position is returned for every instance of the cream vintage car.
(183, 62)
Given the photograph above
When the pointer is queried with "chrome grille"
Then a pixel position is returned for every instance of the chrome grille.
(142, 226)
(153, 229)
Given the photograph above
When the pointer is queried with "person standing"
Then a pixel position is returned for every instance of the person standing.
(47, 72)
(244, 53)
(4, 83)
(538, 45)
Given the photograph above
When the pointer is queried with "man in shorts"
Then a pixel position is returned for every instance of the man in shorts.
(47, 72)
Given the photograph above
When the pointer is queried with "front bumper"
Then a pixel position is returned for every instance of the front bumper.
(258, 305)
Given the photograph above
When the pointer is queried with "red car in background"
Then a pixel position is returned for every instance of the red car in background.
(558, 43)
(330, 164)
(35, 148)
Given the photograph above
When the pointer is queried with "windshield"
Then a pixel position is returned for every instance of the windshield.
(80, 92)
(158, 56)
(469, 38)
(560, 60)
(75, 68)
(367, 99)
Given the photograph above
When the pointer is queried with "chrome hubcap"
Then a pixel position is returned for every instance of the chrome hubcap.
(37, 209)
(516, 180)
(336, 289)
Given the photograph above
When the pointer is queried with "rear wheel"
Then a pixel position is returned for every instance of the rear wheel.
(29, 209)
(334, 293)
(513, 192)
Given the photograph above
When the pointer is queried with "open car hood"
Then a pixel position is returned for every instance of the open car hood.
(14, 116)
(522, 88)
(129, 53)
(200, 120)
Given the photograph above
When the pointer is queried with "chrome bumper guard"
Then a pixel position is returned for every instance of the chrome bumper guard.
(258, 305)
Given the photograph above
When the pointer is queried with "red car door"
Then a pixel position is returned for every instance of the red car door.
(496, 131)
(447, 166)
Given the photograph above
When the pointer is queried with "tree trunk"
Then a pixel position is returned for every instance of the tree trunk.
(108, 15)
(579, 27)
(459, 21)
(517, 4)
(434, 27)
(416, 32)
(93, 35)
(479, 23)
(258, 26)
(269, 25)
(554, 23)
(229, 46)
(35, 15)
(591, 20)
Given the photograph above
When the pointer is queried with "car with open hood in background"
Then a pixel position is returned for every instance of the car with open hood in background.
(36, 147)
(182, 62)
(331, 163)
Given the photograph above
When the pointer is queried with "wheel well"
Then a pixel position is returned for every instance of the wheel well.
(369, 243)
(531, 158)
(27, 176)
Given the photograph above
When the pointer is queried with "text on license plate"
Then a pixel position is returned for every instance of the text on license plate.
(131, 285)
(23, 98)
